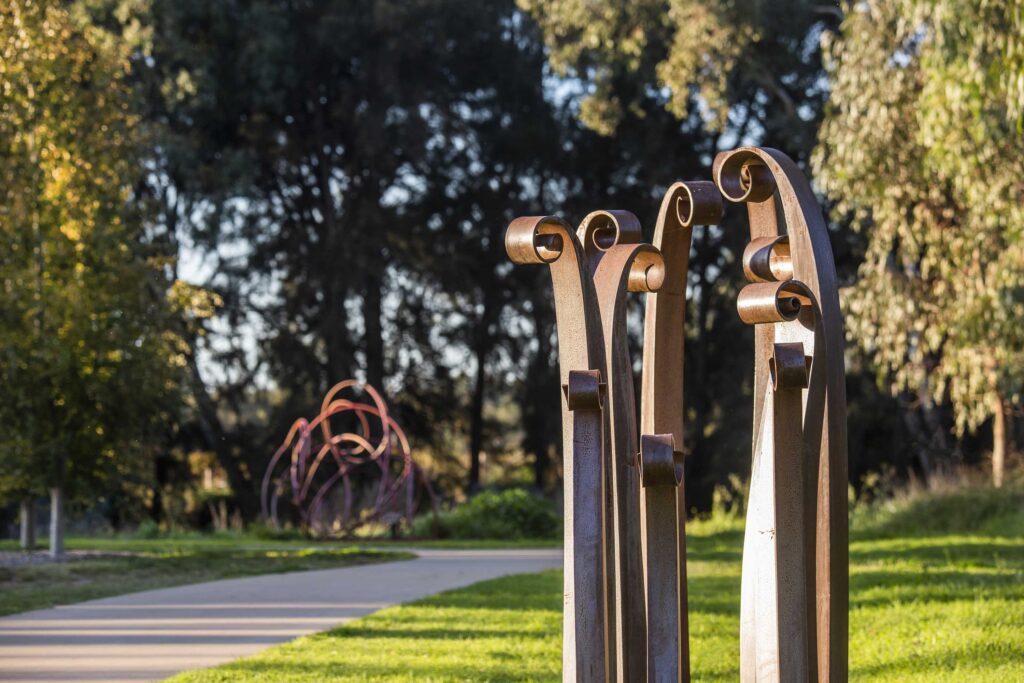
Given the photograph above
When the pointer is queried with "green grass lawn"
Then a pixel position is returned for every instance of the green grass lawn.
(937, 594)
(191, 541)
(160, 564)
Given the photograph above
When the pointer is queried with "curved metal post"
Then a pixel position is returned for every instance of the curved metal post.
(540, 240)
(620, 265)
(661, 406)
(661, 473)
(790, 251)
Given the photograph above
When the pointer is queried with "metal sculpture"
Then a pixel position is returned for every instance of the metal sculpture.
(795, 549)
(377, 449)
(625, 613)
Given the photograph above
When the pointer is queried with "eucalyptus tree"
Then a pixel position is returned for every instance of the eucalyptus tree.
(922, 146)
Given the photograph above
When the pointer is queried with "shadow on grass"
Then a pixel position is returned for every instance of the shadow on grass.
(962, 660)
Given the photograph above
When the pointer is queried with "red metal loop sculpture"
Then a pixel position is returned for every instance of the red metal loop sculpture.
(369, 445)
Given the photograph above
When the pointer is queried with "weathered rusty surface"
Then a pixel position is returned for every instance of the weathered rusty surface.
(661, 407)
(584, 397)
(548, 240)
(782, 210)
(622, 269)
(661, 473)
(625, 547)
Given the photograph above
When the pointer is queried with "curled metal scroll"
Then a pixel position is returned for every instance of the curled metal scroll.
(321, 461)
(793, 299)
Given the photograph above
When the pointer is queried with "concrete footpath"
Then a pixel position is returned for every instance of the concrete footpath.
(151, 635)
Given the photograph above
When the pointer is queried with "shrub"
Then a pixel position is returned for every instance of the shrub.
(265, 532)
(148, 530)
(510, 514)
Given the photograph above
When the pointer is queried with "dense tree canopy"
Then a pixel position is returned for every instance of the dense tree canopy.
(214, 210)
(89, 362)
(922, 146)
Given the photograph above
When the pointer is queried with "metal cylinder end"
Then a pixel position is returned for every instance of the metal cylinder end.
(660, 463)
(768, 259)
(584, 390)
(698, 202)
(789, 366)
(536, 239)
(603, 229)
(772, 302)
(647, 272)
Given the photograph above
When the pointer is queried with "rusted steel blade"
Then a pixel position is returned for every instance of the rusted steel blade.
(623, 268)
(683, 206)
(548, 240)
(773, 612)
(661, 473)
(780, 202)
(583, 519)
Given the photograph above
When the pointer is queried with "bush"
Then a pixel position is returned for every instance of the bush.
(147, 530)
(266, 532)
(511, 514)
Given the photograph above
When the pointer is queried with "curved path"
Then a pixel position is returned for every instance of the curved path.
(151, 635)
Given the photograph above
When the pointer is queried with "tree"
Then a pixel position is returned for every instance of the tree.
(85, 349)
(922, 146)
(350, 168)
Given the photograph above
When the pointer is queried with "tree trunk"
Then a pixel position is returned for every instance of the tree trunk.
(374, 340)
(28, 523)
(216, 440)
(57, 521)
(918, 438)
(476, 419)
(541, 405)
(1000, 436)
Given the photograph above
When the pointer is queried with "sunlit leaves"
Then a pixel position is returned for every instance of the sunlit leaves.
(922, 146)
(85, 352)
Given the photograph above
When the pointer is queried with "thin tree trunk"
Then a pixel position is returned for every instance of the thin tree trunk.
(1000, 435)
(216, 440)
(476, 419)
(536, 395)
(57, 521)
(28, 524)
(919, 440)
(374, 341)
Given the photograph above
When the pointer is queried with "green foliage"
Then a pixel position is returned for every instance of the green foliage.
(149, 529)
(942, 608)
(922, 147)
(700, 56)
(509, 514)
(265, 532)
(87, 354)
(953, 509)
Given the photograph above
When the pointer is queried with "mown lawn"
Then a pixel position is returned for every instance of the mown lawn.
(164, 564)
(937, 594)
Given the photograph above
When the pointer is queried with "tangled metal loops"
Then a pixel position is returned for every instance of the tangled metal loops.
(369, 457)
